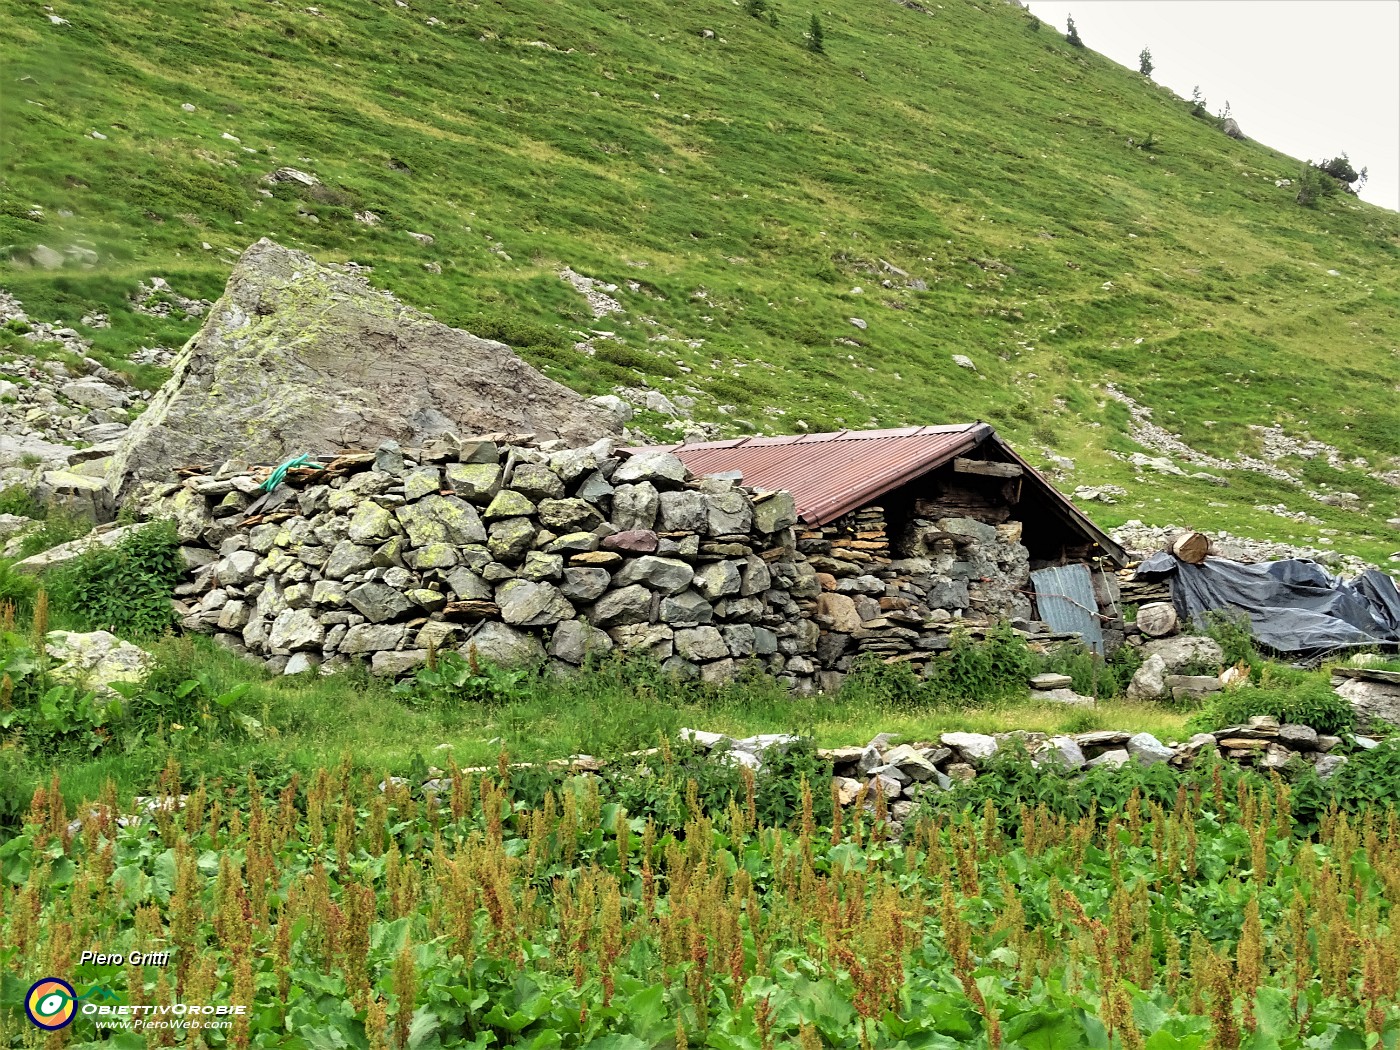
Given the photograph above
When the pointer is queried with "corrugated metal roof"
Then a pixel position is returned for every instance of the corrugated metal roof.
(832, 474)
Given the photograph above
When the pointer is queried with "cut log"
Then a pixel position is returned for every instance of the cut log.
(986, 468)
(1157, 620)
(1191, 547)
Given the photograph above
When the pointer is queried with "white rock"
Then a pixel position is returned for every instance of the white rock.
(975, 748)
(1149, 681)
(1148, 750)
(95, 659)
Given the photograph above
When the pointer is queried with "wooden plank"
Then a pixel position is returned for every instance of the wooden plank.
(986, 468)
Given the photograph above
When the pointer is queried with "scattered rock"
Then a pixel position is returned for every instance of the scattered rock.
(301, 178)
(1148, 750)
(1183, 651)
(975, 748)
(1149, 680)
(94, 659)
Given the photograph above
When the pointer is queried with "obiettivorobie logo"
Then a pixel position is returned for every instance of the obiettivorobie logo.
(51, 1004)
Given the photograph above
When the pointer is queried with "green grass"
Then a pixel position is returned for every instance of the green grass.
(309, 721)
(747, 186)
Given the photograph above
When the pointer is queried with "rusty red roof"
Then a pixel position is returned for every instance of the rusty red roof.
(832, 474)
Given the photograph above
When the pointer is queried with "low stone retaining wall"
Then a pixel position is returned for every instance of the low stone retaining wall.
(902, 773)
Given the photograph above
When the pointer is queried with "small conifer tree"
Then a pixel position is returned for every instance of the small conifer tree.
(1145, 62)
(814, 36)
(1072, 33)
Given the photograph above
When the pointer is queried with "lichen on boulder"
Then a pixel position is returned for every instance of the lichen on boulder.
(297, 357)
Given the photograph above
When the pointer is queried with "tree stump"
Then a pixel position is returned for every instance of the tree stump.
(1157, 619)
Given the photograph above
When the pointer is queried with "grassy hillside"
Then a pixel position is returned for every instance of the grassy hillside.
(739, 189)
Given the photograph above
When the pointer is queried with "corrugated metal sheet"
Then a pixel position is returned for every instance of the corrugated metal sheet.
(832, 474)
(1064, 594)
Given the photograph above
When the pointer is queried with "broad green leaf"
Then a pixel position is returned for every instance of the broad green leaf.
(1165, 1040)
(1043, 1029)
(423, 1029)
(620, 1042)
(132, 886)
(647, 1013)
(1274, 1011)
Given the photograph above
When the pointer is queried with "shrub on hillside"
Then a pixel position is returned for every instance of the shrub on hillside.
(18, 500)
(1340, 170)
(125, 589)
(1310, 702)
(1370, 779)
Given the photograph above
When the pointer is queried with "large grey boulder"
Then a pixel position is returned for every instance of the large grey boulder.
(16, 450)
(378, 602)
(296, 630)
(573, 641)
(634, 506)
(1149, 680)
(974, 748)
(1148, 750)
(701, 643)
(1375, 702)
(1185, 650)
(775, 512)
(626, 605)
(299, 357)
(372, 637)
(475, 481)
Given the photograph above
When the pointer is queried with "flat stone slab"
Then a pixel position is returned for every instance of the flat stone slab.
(1102, 738)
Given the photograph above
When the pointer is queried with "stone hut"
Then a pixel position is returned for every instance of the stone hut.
(802, 554)
(910, 527)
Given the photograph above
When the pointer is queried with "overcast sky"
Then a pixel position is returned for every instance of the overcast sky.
(1310, 78)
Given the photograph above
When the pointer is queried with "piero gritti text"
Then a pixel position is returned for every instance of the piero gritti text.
(129, 958)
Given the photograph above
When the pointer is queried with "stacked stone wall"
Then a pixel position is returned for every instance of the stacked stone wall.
(522, 552)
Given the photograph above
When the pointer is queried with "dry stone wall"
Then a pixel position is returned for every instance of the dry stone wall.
(519, 552)
(901, 601)
(525, 552)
